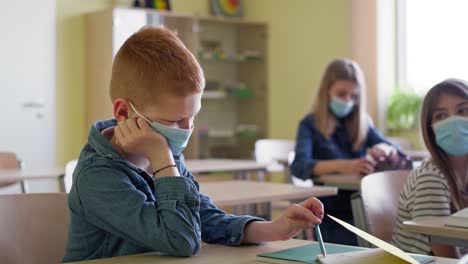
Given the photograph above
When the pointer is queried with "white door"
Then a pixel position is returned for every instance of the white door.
(27, 81)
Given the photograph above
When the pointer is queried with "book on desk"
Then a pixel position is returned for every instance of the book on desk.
(342, 254)
(458, 219)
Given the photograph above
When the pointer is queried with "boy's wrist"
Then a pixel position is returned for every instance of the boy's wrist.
(258, 232)
(163, 164)
(169, 170)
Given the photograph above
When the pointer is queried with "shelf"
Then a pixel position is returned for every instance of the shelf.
(236, 94)
(231, 60)
(215, 57)
(214, 95)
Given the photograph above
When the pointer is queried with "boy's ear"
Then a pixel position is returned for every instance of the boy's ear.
(121, 109)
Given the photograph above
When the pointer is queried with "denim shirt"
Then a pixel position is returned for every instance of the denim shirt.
(313, 147)
(118, 209)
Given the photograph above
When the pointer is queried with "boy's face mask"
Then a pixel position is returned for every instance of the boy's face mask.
(176, 137)
(341, 108)
(452, 135)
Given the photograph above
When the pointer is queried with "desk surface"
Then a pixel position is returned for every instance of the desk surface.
(417, 155)
(435, 226)
(227, 193)
(345, 182)
(224, 165)
(211, 254)
(37, 174)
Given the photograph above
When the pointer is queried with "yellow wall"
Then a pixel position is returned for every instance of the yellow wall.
(303, 36)
(71, 127)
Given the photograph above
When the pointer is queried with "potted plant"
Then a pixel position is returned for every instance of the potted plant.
(403, 116)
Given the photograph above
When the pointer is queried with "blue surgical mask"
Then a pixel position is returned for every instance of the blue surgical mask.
(452, 135)
(341, 108)
(176, 137)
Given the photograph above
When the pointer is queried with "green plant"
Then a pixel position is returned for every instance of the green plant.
(403, 110)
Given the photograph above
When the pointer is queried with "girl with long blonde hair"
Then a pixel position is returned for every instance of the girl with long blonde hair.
(338, 137)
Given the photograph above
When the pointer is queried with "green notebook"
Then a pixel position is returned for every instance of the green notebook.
(308, 253)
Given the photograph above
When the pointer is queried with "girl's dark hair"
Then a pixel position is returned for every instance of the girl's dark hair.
(458, 186)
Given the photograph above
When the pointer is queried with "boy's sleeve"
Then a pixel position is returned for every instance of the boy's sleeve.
(303, 161)
(217, 226)
(171, 224)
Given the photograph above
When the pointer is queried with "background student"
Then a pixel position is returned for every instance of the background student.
(338, 137)
(439, 186)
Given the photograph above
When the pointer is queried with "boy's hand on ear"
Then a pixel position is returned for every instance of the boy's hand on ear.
(297, 217)
(135, 136)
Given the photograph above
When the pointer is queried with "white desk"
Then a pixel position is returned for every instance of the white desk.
(438, 232)
(20, 176)
(417, 155)
(227, 193)
(240, 168)
(343, 182)
(215, 254)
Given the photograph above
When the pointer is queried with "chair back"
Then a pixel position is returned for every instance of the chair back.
(270, 151)
(33, 227)
(8, 161)
(68, 177)
(380, 196)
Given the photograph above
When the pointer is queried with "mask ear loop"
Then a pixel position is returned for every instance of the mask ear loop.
(146, 119)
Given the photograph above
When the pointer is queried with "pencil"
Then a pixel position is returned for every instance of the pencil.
(320, 240)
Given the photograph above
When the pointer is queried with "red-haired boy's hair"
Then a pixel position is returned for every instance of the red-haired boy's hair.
(152, 62)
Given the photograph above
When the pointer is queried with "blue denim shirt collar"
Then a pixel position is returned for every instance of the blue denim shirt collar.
(100, 143)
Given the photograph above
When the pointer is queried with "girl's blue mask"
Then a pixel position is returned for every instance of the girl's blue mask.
(452, 135)
(176, 137)
(341, 108)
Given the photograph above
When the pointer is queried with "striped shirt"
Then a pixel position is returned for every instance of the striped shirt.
(425, 194)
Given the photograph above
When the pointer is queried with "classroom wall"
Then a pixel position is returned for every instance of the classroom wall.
(304, 36)
(71, 127)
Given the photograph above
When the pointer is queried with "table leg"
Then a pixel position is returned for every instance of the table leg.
(61, 180)
(287, 175)
(261, 175)
(24, 186)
